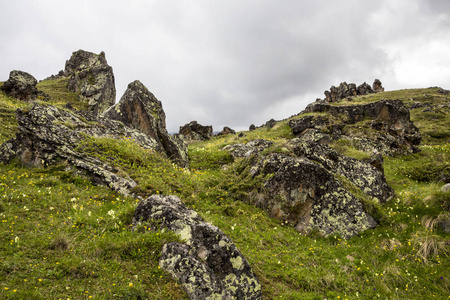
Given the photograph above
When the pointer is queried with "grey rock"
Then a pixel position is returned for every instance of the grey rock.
(377, 86)
(306, 195)
(208, 264)
(90, 74)
(253, 147)
(139, 109)
(47, 134)
(252, 127)
(21, 85)
(446, 188)
(226, 130)
(196, 132)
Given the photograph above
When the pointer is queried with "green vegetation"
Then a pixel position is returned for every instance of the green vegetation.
(62, 237)
(59, 94)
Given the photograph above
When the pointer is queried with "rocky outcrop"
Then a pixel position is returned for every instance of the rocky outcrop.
(346, 90)
(208, 264)
(196, 132)
(226, 130)
(21, 85)
(387, 125)
(139, 109)
(47, 134)
(90, 74)
(306, 195)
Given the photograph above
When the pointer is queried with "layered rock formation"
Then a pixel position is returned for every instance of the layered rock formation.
(196, 132)
(91, 75)
(208, 264)
(21, 85)
(139, 109)
(384, 126)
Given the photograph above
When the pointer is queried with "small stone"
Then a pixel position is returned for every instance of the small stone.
(446, 188)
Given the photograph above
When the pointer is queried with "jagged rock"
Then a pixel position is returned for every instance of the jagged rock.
(253, 147)
(252, 127)
(346, 90)
(196, 132)
(377, 86)
(226, 130)
(393, 131)
(47, 134)
(300, 125)
(443, 91)
(139, 109)
(305, 194)
(21, 85)
(362, 174)
(208, 265)
(91, 75)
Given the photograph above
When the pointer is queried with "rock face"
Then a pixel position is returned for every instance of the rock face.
(208, 264)
(91, 75)
(196, 132)
(387, 123)
(139, 109)
(21, 85)
(346, 90)
(47, 134)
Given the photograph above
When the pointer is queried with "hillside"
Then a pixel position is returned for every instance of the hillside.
(64, 237)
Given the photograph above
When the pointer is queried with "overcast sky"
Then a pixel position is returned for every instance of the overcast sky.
(234, 63)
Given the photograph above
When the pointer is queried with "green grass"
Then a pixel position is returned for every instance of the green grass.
(62, 237)
(59, 94)
(8, 122)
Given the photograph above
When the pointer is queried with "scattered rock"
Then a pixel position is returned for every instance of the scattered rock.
(443, 91)
(446, 188)
(377, 86)
(300, 125)
(252, 127)
(253, 147)
(91, 75)
(21, 85)
(348, 90)
(270, 124)
(226, 130)
(47, 135)
(208, 264)
(139, 109)
(196, 132)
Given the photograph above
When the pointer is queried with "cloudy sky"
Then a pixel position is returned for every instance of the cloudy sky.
(234, 63)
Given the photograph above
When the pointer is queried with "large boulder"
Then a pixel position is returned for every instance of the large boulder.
(139, 109)
(47, 135)
(226, 130)
(21, 85)
(91, 76)
(196, 132)
(306, 195)
(208, 264)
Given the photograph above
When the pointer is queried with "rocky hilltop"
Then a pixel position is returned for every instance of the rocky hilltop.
(319, 174)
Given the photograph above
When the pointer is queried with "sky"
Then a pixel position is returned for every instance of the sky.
(234, 63)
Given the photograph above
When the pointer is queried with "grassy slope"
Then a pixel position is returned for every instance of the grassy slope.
(61, 237)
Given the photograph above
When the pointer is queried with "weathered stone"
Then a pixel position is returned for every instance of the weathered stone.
(377, 86)
(139, 109)
(300, 125)
(208, 265)
(196, 132)
(252, 127)
(394, 131)
(253, 147)
(446, 188)
(270, 124)
(21, 85)
(91, 75)
(306, 195)
(226, 130)
(47, 134)
(348, 90)
(362, 174)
